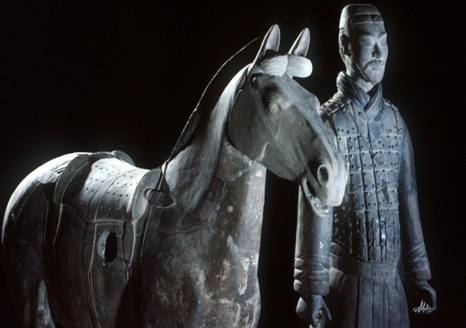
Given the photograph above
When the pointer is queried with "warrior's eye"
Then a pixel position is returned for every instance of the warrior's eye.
(365, 42)
(383, 41)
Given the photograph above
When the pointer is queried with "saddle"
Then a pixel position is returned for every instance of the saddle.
(105, 188)
(101, 203)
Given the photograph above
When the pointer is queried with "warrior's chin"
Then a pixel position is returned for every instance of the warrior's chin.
(375, 76)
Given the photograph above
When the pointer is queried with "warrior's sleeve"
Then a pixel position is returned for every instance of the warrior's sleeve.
(313, 236)
(414, 250)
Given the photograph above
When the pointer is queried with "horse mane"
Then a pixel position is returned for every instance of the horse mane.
(193, 160)
(206, 102)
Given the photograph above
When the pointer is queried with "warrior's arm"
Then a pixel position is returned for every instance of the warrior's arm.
(415, 254)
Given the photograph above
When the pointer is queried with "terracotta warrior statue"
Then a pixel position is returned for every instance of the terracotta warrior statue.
(356, 252)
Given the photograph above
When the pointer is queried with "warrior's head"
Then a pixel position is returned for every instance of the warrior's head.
(363, 44)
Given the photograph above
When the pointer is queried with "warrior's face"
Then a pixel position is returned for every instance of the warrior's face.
(368, 51)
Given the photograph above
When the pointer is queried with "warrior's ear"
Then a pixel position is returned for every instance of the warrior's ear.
(343, 45)
(271, 42)
(301, 45)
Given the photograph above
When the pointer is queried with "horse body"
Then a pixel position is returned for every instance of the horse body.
(201, 270)
(90, 240)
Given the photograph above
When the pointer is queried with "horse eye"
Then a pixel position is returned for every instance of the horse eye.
(253, 79)
(267, 94)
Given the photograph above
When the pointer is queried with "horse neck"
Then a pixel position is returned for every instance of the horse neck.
(190, 173)
(236, 196)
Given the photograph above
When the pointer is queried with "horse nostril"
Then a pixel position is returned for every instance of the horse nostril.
(322, 174)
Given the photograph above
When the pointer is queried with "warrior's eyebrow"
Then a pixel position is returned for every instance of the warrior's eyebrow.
(367, 34)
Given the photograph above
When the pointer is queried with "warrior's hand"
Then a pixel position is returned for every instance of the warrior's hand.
(313, 309)
(427, 297)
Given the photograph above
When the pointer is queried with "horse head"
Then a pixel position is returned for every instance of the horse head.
(276, 122)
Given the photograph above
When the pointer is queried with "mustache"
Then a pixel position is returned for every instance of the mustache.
(376, 62)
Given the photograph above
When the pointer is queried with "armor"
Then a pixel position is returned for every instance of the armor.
(378, 216)
(377, 146)
(366, 226)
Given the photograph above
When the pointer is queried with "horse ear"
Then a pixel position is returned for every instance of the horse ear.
(301, 45)
(271, 42)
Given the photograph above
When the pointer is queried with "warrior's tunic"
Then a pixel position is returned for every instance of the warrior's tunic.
(379, 213)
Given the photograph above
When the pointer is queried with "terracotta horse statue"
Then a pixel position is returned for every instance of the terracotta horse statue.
(91, 240)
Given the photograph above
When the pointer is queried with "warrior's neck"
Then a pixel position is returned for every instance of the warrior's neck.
(360, 81)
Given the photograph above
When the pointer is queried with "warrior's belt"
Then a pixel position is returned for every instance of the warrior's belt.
(375, 271)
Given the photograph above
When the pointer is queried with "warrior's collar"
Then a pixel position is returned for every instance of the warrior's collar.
(367, 101)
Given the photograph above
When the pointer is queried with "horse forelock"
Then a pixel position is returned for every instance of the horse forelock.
(274, 65)
(294, 66)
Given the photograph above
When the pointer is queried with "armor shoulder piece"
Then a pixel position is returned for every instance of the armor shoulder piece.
(389, 104)
(400, 124)
(334, 104)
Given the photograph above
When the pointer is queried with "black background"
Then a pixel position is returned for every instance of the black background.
(89, 76)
